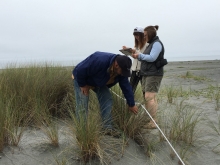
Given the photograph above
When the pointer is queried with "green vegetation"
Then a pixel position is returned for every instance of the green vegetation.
(189, 75)
(42, 96)
(31, 96)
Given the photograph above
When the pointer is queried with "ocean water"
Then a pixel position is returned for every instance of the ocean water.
(8, 61)
(194, 58)
(16, 63)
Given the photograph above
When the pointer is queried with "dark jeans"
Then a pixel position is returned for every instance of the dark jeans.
(134, 80)
(105, 100)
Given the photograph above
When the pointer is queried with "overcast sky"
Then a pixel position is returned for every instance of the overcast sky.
(73, 29)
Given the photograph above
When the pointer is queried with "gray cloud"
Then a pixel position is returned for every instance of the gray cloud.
(74, 29)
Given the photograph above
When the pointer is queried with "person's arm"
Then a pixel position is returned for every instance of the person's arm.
(155, 51)
(86, 69)
(128, 94)
(81, 73)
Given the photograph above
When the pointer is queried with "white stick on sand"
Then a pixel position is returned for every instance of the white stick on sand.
(156, 126)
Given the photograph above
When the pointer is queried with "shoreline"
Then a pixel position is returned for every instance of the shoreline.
(57, 63)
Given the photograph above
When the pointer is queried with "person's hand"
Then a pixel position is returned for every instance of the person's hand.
(85, 90)
(134, 109)
(135, 55)
(124, 47)
(133, 51)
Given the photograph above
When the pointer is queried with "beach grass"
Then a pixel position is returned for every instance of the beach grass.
(184, 120)
(49, 126)
(86, 129)
(125, 120)
(190, 75)
(215, 94)
(29, 95)
(42, 96)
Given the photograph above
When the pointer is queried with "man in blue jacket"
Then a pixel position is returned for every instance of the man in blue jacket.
(99, 72)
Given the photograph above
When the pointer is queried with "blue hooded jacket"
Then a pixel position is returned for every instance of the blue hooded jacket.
(93, 71)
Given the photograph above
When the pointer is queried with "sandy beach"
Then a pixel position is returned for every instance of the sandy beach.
(34, 148)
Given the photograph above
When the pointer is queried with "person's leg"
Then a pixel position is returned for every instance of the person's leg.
(81, 102)
(151, 87)
(105, 101)
(134, 80)
(151, 105)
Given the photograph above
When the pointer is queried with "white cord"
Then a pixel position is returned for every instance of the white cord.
(156, 126)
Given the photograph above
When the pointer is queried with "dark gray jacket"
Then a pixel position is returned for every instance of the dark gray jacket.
(149, 68)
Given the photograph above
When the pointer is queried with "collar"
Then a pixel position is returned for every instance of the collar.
(155, 38)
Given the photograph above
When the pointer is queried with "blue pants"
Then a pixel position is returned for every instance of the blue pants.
(105, 100)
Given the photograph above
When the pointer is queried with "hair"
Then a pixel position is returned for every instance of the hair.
(139, 44)
(151, 31)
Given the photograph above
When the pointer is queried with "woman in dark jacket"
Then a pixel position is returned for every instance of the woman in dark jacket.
(151, 70)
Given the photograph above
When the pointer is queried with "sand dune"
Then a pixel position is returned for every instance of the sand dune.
(34, 148)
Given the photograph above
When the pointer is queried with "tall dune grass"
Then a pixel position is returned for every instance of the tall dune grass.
(125, 120)
(213, 92)
(27, 93)
(86, 130)
(13, 122)
(87, 134)
(180, 125)
(184, 122)
(41, 95)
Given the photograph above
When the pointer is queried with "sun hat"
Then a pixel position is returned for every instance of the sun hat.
(139, 30)
(124, 63)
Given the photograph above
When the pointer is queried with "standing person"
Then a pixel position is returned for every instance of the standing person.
(151, 70)
(99, 72)
(140, 45)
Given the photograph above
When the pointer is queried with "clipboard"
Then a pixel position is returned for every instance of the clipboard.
(127, 51)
